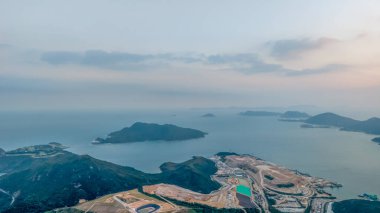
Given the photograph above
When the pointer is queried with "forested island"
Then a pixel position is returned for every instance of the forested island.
(377, 140)
(140, 132)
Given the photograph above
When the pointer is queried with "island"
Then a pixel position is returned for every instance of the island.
(286, 116)
(208, 115)
(294, 114)
(369, 197)
(377, 140)
(259, 113)
(140, 132)
(370, 126)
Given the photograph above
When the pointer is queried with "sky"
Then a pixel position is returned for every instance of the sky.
(92, 54)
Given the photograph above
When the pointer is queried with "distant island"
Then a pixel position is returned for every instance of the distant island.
(286, 116)
(370, 126)
(294, 114)
(369, 197)
(259, 113)
(377, 140)
(140, 132)
(325, 120)
(208, 115)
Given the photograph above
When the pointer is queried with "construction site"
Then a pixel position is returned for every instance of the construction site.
(249, 182)
(128, 202)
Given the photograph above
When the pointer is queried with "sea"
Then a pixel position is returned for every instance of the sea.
(349, 158)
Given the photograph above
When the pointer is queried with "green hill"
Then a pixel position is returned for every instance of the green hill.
(356, 206)
(41, 184)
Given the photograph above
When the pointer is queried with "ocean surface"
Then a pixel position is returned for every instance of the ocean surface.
(345, 157)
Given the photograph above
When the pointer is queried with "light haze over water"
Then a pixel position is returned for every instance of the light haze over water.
(348, 158)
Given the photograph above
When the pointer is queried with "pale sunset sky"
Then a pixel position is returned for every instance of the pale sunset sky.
(92, 54)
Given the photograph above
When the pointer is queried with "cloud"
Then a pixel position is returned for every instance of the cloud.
(291, 48)
(319, 70)
(113, 60)
(61, 57)
(245, 62)
(95, 58)
(251, 64)
(5, 46)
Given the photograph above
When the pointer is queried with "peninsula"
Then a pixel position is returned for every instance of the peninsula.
(370, 126)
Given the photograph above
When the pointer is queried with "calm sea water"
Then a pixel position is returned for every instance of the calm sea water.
(345, 157)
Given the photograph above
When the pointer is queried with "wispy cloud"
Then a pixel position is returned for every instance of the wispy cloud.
(247, 63)
(97, 58)
(252, 64)
(3, 46)
(112, 60)
(290, 48)
(319, 70)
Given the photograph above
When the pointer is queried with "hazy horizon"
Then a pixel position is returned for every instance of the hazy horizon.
(190, 54)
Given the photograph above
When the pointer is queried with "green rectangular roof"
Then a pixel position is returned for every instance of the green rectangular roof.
(241, 189)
